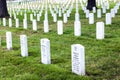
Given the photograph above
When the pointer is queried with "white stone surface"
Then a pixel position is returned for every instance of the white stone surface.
(112, 13)
(99, 13)
(91, 18)
(46, 26)
(34, 22)
(77, 28)
(94, 9)
(9, 40)
(38, 17)
(24, 23)
(77, 17)
(60, 27)
(78, 59)
(31, 17)
(24, 45)
(10, 22)
(108, 19)
(65, 18)
(17, 22)
(87, 13)
(4, 21)
(55, 17)
(45, 51)
(100, 30)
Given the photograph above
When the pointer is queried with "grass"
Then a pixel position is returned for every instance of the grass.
(102, 56)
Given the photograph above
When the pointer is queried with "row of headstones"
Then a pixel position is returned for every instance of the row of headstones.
(33, 5)
(77, 27)
(54, 11)
(57, 8)
(77, 52)
(68, 12)
(77, 16)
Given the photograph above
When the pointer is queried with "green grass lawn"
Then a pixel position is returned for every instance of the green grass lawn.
(102, 56)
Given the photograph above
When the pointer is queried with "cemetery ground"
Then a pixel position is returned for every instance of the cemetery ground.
(102, 57)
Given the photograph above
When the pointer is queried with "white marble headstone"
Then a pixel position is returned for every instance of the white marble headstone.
(10, 22)
(108, 19)
(17, 23)
(31, 17)
(55, 17)
(38, 17)
(60, 27)
(91, 18)
(9, 40)
(99, 13)
(24, 23)
(45, 51)
(78, 59)
(60, 13)
(104, 9)
(65, 18)
(112, 13)
(46, 26)
(24, 46)
(77, 17)
(34, 22)
(25, 16)
(94, 9)
(87, 13)
(77, 28)
(4, 21)
(100, 30)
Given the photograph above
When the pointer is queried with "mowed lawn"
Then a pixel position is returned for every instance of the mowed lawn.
(102, 57)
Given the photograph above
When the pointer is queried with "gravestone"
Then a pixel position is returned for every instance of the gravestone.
(4, 21)
(60, 13)
(24, 46)
(77, 16)
(24, 23)
(25, 16)
(14, 15)
(60, 27)
(38, 17)
(77, 28)
(10, 22)
(108, 19)
(45, 51)
(46, 26)
(65, 18)
(34, 22)
(100, 30)
(46, 16)
(112, 13)
(94, 9)
(78, 59)
(99, 13)
(104, 9)
(17, 23)
(55, 17)
(9, 40)
(31, 17)
(68, 13)
(87, 13)
(91, 18)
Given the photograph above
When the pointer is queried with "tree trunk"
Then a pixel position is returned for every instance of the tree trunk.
(3, 9)
(91, 4)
